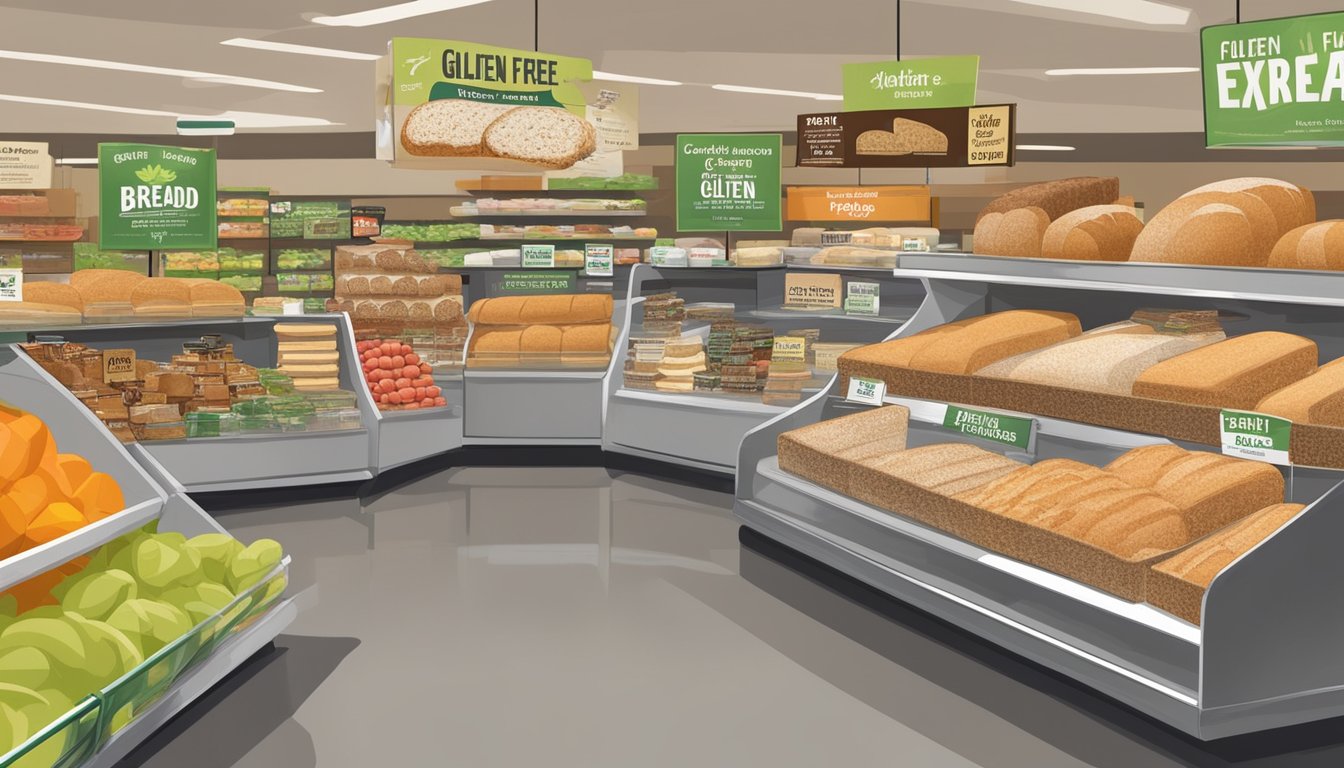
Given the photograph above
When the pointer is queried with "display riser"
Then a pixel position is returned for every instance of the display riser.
(699, 436)
(208, 465)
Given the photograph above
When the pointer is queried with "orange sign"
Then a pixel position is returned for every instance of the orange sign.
(875, 204)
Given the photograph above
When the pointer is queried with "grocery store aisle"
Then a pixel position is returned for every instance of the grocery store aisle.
(583, 617)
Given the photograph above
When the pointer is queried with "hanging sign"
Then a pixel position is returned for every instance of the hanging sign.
(940, 81)
(951, 137)
(153, 197)
(728, 182)
(25, 165)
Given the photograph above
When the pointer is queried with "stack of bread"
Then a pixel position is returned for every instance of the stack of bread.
(115, 294)
(682, 359)
(388, 288)
(564, 330)
(307, 353)
(1115, 527)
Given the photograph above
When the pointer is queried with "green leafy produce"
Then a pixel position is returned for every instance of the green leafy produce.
(254, 562)
(149, 624)
(303, 258)
(96, 595)
(90, 256)
(624, 181)
(160, 563)
(432, 233)
(215, 550)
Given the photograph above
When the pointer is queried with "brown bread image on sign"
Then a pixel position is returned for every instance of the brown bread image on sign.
(1057, 197)
(906, 137)
(547, 136)
(1311, 246)
(1019, 232)
(1094, 233)
(1236, 373)
(449, 127)
(1177, 584)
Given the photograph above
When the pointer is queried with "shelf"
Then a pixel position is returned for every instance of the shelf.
(241, 462)
(536, 375)
(788, 314)
(705, 401)
(493, 240)
(551, 213)
(41, 559)
(1323, 288)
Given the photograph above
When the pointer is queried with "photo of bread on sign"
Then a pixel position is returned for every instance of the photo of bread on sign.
(906, 137)
(550, 137)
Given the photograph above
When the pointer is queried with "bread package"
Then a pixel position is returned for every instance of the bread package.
(1236, 373)
(1094, 233)
(1177, 584)
(1311, 246)
(1057, 197)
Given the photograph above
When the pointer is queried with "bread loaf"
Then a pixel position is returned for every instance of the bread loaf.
(1311, 246)
(992, 338)
(1143, 467)
(60, 294)
(1291, 205)
(547, 136)
(822, 452)
(1094, 233)
(1236, 373)
(1057, 197)
(559, 309)
(888, 481)
(1018, 232)
(1317, 399)
(898, 352)
(1177, 584)
(1231, 223)
(1108, 362)
(1213, 490)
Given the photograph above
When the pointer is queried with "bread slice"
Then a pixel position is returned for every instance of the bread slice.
(877, 142)
(1236, 373)
(1177, 584)
(449, 127)
(1317, 399)
(547, 136)
(921, 139)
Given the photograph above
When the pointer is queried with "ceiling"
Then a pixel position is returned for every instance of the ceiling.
(784, 44)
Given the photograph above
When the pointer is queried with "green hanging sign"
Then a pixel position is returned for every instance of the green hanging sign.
(153, 197)
(939, 81)
(729, 182)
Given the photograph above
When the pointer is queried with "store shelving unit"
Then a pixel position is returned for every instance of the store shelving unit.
(246, 461)
(1265, 654)
(702, 430)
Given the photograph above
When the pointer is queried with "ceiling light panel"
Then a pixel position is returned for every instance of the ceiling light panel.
(121, 66)
(1045, 147)
(612, 76)
(778, 92)
(392, 13)
(303, 50)
(1136, 11)
(1103, 71)
(241, 119)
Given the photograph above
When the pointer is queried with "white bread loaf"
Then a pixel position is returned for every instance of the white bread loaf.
(1311, 246)
(547, 136)
(1018, 232)
(1094, 233)
(449, 127)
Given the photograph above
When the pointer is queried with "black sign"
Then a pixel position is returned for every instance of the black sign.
(949, 137)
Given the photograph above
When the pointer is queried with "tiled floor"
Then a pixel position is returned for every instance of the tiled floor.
(586, 618)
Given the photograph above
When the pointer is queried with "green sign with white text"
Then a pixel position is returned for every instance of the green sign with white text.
(939, 81)
(153, 197)
(729, 182)
(1255, 436)
(995, 427)
(1276, 82)
(537, 282)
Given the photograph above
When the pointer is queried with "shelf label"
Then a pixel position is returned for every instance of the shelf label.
(11, 285)
(995, 427)
(598, 260)
(1255, 436)
(889, 203)
(789, 349)
(537, 256)
(862, 298)
(118, 365)
(537, 282)
(25, 165)
(866, 391)
(804, 291)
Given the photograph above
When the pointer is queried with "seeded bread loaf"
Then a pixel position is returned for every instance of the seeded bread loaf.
(1236, 373)
(1094, 233)
(1311, 246)
(1317, 399)
(1177, 584)
(823, 452)
(992, 338)
(1019, 232)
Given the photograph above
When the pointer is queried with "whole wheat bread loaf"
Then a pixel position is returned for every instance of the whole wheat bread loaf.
(1236, 373)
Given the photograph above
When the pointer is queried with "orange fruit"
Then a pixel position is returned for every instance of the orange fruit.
(58, 519)
(75, 467)
(31, 495)
(99, 496)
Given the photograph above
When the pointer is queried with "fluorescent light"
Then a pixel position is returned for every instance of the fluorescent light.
(306, 50)
(778, 92)
(76, 161)
(393, 12)
(1046, 147)
(632, 79)
(241, 119)
(1138, 11)
(190, 74)
(1121, 71)
(189, 127)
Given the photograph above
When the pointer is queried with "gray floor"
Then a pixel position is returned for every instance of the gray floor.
(582, 617)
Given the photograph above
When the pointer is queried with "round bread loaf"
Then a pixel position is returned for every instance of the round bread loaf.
(1311, 246)
(1292, 205)
(1018, 232)
(1190, 231)
(1094, 233)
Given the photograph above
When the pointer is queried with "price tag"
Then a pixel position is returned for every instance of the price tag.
(598, 260)
(1256, 436)
(538, 256)
(1016, 431)
(118, 365)
(11, 285)
(789, 349)
(866, 391)
(862, 298)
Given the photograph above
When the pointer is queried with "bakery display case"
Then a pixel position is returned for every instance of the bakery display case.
(38, 230)
(1059, 487)
(708, 354)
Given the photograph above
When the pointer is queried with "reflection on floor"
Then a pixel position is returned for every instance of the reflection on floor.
(584, 617)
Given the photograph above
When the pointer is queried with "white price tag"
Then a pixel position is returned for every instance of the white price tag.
(866, 391)
(598, 261)
(11, 285)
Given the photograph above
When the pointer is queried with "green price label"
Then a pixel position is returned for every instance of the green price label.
(995, 427)
(861, 305)
(537, 282)
(1256, 436)
(538, 256)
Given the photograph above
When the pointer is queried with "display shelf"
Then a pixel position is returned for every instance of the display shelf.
(803, 315)
(533, 407)
(548, 213)
(25, 385)
(1263, 656)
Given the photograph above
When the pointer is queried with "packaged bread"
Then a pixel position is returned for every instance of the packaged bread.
(1058, 197)
(1177, 584)
(993, 337)
(161, 296)
(1094, 233)
(1229, 223)
(823, 452)
(1235, 373)
(211, 298)
(1311, 246)
(60, 294)
(1019, 232)
(1316, 399)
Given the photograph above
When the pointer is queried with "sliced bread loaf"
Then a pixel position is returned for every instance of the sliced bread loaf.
(548, 136)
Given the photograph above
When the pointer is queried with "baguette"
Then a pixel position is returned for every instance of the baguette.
(1236, 373)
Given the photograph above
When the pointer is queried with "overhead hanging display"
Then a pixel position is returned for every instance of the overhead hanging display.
(1275, 82)
(25, 165)
(951, 137)
(728, 182)
(153, 197)
(940, 81)
(444, 99)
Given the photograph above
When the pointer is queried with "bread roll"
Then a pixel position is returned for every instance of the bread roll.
(1018, 232)
(1236, 373)
(1311, 246)
(1317, 399)
(1094, 233)
(1057, 197)
(1177, 584)
(992, 338)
